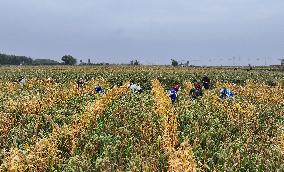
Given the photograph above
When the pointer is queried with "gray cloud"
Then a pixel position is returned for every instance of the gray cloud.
(212, 32)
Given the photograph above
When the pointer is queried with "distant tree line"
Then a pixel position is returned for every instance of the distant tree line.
(45, 62)
(14, 60)
(23, 60)
(66, 60)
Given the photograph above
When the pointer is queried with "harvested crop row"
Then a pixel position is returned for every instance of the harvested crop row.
(182, 158)
(89, 118)
(266, 98)
(46, 97)
(30, 106)
(259, 92)
(50, 151)
(126, 137)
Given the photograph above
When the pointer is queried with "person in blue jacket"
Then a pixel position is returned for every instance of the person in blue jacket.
(225, 92)
(99, 89)
(173, 93)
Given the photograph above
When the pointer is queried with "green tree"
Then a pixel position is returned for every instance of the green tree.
(174, 62)
(69, 60)
(136, 62)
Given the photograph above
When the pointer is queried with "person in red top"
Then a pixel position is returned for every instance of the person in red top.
(196, 91)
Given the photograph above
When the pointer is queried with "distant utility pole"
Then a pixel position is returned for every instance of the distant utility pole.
(230, 63)
(264, 60)
(234, 58)
(257, 59)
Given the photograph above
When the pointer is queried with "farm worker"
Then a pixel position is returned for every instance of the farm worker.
(22, 81)
(206, 82)
(80, 82)
(196, 91)
(173, 93)
(99, 89)
(135, 88)
(49, 80)
(225, 92)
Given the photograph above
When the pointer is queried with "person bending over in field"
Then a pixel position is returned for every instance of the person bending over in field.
(173, 93)
(196, 91)
(226, 93)
(80, 82)
(135, 88)
(50, 80)
(22, 81)
(206, 82)
(99, 89)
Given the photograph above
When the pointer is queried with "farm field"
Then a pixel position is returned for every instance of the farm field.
(47, 126)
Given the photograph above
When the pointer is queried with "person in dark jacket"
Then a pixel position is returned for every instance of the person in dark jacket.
(206, 82)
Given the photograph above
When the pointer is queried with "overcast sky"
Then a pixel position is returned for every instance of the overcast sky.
(206, 32)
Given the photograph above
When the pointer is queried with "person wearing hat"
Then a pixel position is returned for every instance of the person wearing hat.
(173, 93)
(196, 91)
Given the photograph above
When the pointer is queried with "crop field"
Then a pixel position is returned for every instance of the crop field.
(54, 126)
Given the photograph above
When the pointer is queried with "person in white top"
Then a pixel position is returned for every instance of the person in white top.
(135, 88)
(50, 81)
(80, 82)
(22, 81)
